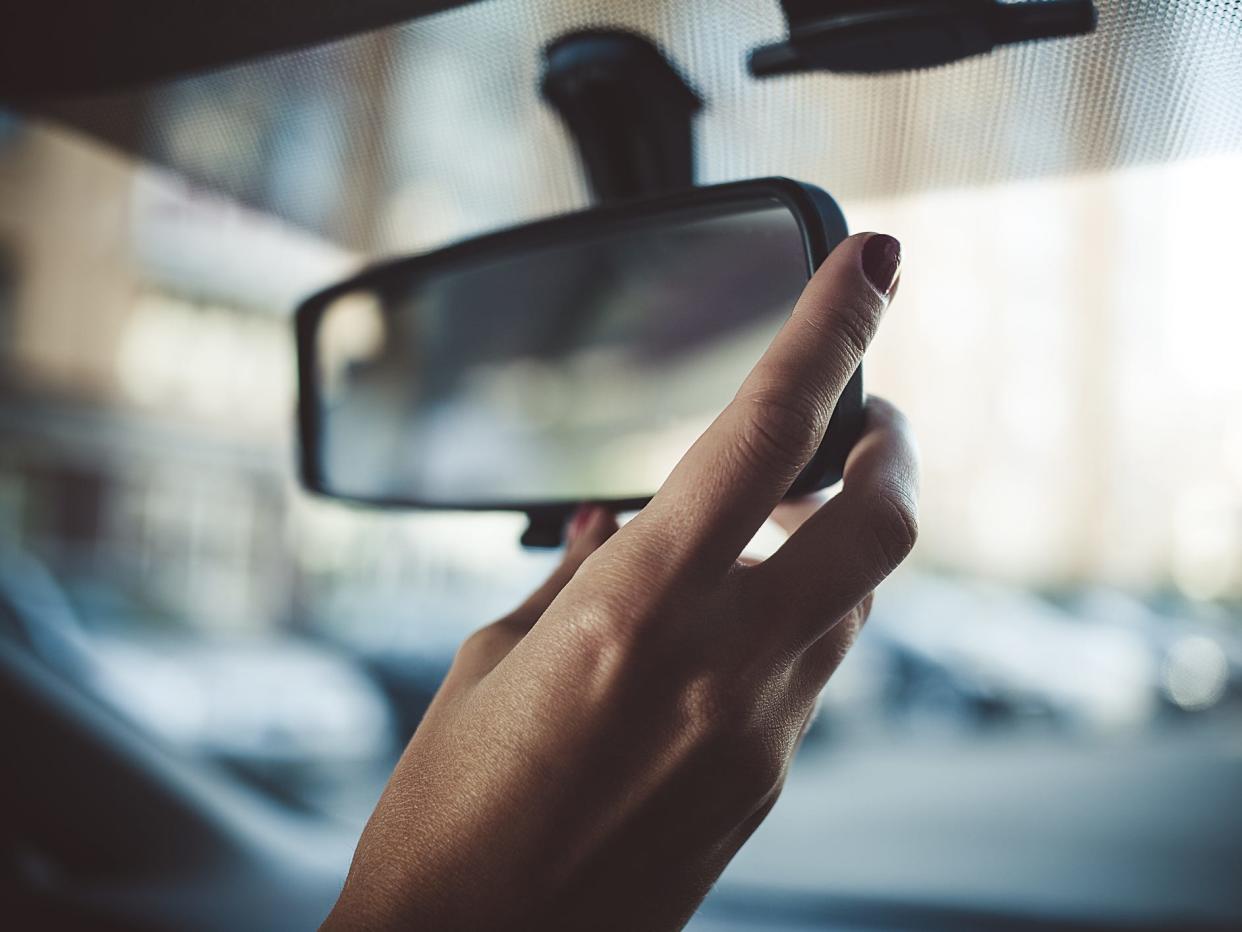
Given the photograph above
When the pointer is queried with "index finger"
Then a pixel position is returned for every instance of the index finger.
(741, 467)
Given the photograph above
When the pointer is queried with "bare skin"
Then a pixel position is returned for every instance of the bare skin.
(594, 759)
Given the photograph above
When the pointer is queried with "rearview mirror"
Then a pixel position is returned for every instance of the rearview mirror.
(570, 360)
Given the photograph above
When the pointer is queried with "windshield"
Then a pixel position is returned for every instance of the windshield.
(1067, 633)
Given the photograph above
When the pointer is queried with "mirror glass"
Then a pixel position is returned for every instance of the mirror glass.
(573, 368)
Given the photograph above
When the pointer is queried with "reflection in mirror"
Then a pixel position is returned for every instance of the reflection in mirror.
(570, 370)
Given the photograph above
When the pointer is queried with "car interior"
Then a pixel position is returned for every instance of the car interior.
(318, 319)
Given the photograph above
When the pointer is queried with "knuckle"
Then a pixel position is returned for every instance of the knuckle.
(698, 707)
(611, 620)
(606, 644)
(894, 526)
(851, 326)
(780, 429)
(601, 653)
(487, 640)
(473, 644)
(612, 631)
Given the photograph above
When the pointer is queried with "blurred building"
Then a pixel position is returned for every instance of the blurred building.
(147, 385)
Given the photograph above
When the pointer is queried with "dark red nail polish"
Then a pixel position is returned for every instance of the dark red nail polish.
(881, 260)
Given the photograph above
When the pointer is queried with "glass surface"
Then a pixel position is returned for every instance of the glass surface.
(577, 370)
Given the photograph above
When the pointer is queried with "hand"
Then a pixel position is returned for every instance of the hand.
(594, 760)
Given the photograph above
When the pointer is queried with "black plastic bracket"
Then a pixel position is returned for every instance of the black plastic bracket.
(870, 36)
(545, 527)
(628, 110)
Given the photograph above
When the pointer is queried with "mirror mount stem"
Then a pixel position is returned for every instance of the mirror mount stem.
(629, 111)
(545, 528)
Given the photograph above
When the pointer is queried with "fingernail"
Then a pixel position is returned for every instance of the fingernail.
(580, 520)
(881, 260)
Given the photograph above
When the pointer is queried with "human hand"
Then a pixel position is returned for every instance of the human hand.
(594, 760)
